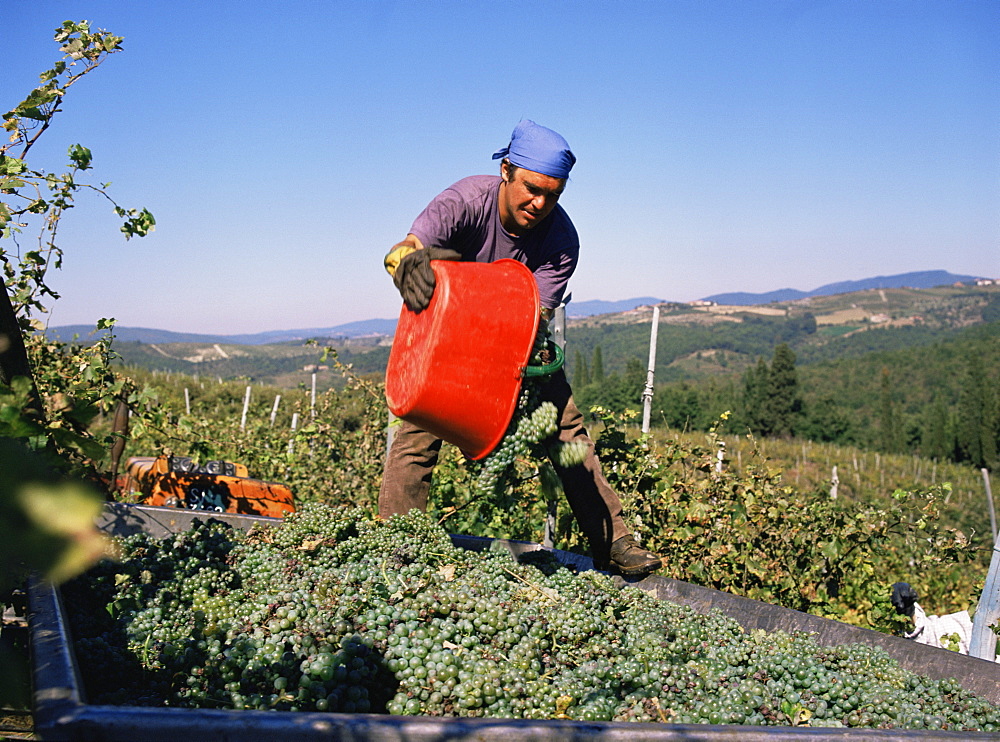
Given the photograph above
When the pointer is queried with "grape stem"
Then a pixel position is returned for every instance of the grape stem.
(534, 586)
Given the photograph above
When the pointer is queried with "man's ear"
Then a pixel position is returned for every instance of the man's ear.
(504, 171)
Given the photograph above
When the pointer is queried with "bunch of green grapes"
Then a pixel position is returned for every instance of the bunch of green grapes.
(531, 434)
(333, 611)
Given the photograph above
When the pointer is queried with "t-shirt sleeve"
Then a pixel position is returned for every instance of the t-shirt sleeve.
(553, 278)
(442, 219)
(554, 273)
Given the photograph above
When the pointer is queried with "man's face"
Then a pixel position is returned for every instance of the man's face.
(526, 198)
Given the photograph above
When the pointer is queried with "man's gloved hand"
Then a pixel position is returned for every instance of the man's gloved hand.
(415, 279)
(903, 598)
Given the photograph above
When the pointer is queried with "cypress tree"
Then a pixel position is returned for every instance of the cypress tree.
(597, 367)
(935, 442)
(635, 379)
(755, 381)
(890, 433)
(582, 375)
(976, 427)
(782, 403)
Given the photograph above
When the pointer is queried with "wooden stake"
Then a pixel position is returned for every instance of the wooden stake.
(295, 425)
(989, 502)
(647, 393)
(246, 406)
(558, 329)
(274, 410)
(983, 643)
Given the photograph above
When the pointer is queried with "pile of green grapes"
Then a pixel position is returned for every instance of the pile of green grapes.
(333, 611)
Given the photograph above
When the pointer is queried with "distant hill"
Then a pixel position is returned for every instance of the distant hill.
(694, 341)
(917, 280)
(360, 329)
(576, 309)
(597, 306)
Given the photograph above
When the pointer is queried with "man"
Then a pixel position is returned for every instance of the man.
(484, 218)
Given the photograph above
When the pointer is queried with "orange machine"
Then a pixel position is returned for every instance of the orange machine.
(220, 486)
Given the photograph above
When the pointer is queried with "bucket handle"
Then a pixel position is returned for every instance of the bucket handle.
(549, 368)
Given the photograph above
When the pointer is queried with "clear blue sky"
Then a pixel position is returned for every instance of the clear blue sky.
(722, 146)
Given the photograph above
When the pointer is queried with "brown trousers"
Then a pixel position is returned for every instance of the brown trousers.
(414, 453)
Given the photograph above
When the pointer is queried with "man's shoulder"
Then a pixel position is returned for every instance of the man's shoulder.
(474, 186)
(562, 226)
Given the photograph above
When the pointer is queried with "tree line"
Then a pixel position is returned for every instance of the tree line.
(938, 401)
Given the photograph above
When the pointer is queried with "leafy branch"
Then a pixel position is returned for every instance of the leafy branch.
(50, 394)
(30, 195)
(31, 117)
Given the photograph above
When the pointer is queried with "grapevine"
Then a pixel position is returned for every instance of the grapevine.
(333, 611)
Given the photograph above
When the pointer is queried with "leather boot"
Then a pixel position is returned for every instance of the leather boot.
(628, 558)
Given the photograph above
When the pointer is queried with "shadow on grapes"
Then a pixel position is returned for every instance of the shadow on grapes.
(173, 624)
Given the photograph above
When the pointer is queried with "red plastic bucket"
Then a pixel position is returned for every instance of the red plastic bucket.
(455, 369)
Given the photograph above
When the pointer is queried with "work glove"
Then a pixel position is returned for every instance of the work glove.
(903, 598)
(415, 279)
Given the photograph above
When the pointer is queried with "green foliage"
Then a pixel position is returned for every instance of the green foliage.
(333, 455)
(782, 404)
(616, 391)
(34, 197)
(978, 428)
(701, 359)
(742, 336)
(80, 387)
(917, 400)
(824, 420)
(285, 365)
(516, 511)
(749, 533)
(991, 312)
(755, 384)
(597, 366)
(680, 407)
(46, 521)
(771, 402)
(52, 456)
(890, 431)
(702, 356)
(47, 447)
(582, 376)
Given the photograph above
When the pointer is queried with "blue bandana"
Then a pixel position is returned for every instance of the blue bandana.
(538, 149)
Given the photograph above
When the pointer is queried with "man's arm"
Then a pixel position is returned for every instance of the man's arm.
(409, 264)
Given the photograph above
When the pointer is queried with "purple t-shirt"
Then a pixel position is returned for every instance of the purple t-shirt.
(465, 217)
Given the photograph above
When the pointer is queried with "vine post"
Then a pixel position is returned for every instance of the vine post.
(274, 409)
(989, 502)
(558, 329)
(246, 406)
(647, 393)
